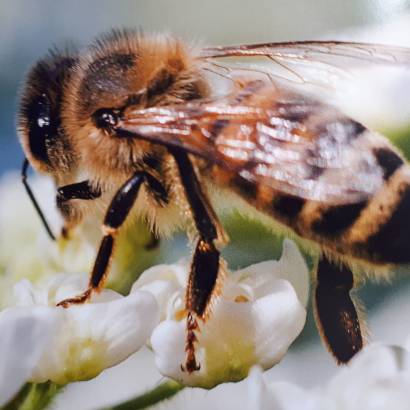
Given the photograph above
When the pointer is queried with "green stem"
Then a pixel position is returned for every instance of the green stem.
(34, 397)
(163, 392)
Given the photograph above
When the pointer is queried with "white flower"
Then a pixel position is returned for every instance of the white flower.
(378, 378)
(260, 313)
(25, 335)
(87, 338)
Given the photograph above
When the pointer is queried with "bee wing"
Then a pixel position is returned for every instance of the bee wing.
(292, 144)
(318, 63)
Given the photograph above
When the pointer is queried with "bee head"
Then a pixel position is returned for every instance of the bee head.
(39, 116)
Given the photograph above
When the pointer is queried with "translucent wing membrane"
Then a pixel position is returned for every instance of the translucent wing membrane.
(271, 136)
(332, 52)
(318, 63)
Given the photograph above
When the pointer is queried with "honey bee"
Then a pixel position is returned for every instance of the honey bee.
(156, 129)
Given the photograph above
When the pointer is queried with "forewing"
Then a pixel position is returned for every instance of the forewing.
(317, 63)
(287, 142)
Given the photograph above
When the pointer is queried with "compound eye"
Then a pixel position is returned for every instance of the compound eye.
(40, 127)
(106, 118)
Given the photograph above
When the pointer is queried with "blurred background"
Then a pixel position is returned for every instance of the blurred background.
(29, 29)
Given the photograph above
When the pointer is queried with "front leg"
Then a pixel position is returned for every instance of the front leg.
(336, 316)
(205, 267)
(80, 190)
(117, 213)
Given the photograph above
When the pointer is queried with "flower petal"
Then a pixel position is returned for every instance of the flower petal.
(254, 321)
(86, 338)
(375, 371)
(95, 336)
(165, 282)
(377, 378)
(25, 336)
(278, 396)
(291, 266)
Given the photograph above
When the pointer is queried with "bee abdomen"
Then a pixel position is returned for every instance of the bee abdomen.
(376, 230)
(391, 243)
(385, 236)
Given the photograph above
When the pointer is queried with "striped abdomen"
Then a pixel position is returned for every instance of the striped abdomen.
(374, 228)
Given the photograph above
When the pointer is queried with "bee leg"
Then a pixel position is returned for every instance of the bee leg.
(205, 265)
(116, 214)
(80, 190)
(201, 285)
(335, 312)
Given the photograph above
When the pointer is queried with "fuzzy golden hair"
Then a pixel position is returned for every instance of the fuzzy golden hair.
(125, 70)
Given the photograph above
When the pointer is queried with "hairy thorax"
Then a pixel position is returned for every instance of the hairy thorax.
(121, 74)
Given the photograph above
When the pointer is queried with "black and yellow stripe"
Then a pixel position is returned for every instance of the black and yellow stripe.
(374, 230)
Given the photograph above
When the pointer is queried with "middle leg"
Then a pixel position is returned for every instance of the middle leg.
(205, 267)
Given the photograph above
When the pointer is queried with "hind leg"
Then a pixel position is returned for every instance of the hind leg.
(335, 312)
